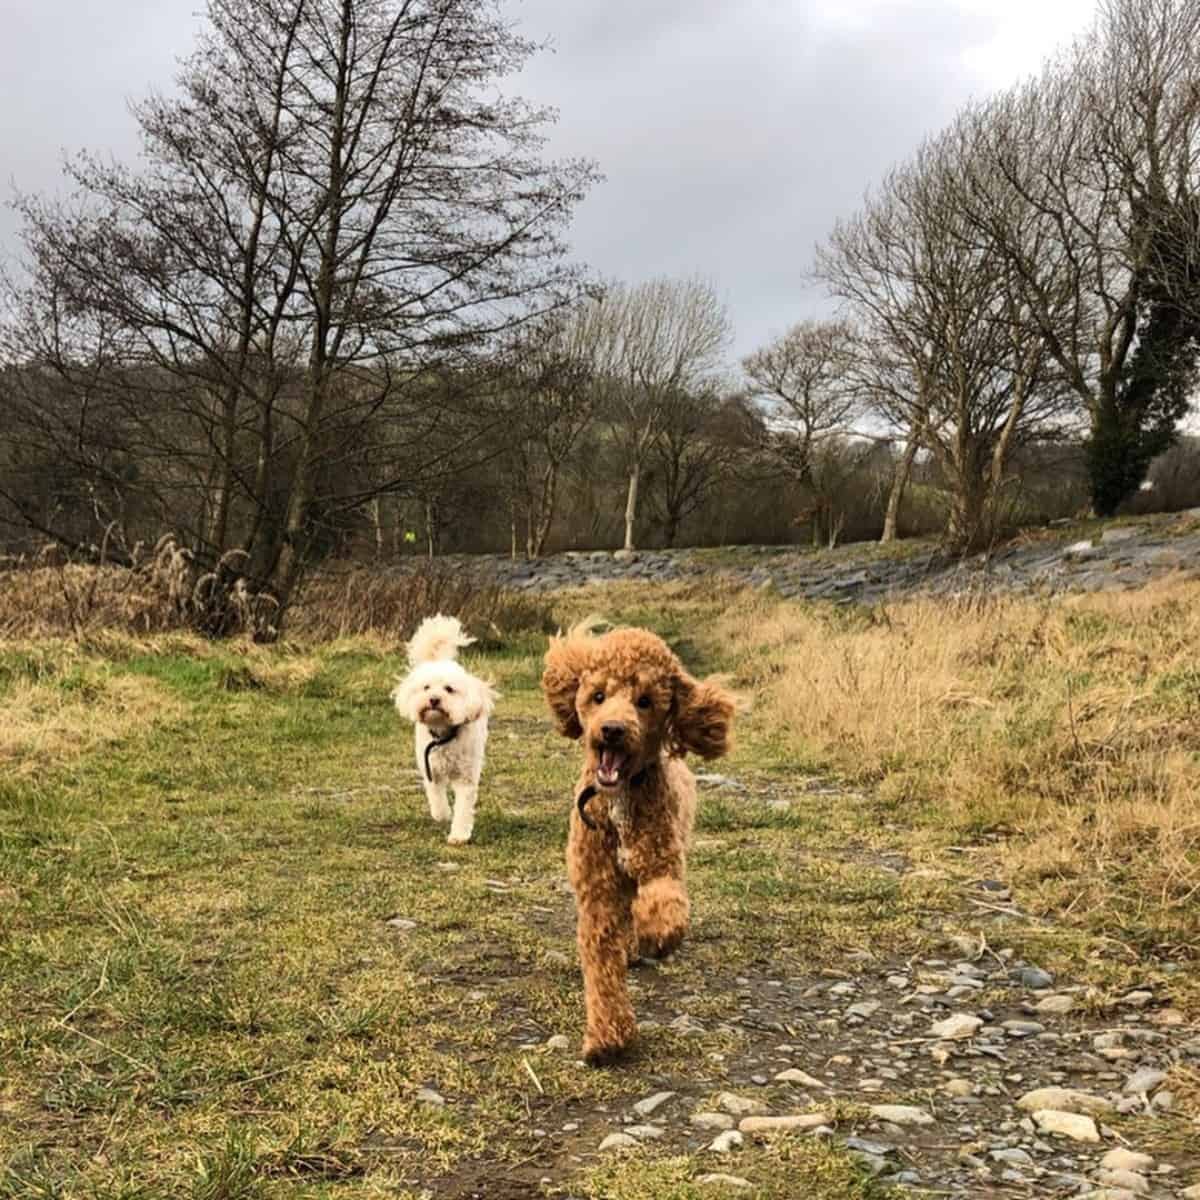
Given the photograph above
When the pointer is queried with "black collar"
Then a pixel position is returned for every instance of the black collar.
(591, 790)
(445, 739)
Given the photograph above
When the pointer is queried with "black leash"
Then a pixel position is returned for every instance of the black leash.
(591, 790)
(445, 739)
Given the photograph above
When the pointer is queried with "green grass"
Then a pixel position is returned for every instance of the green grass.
(200, 994)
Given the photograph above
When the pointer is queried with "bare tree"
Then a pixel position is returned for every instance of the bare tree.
(951, 352)
(1099, 159)
(338, 202)
(658, 340)
(804, 382)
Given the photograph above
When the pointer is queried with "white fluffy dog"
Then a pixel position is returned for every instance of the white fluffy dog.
(449, 708)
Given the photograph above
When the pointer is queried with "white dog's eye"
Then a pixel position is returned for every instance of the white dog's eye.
(449, 690)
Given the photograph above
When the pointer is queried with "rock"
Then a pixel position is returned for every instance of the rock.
(1164, 1101)
(899, 982)
(879, 1149)
(727, 1142)
(740, 1105)
(626, 556)
(711, 1120)
(644, 1108)
(794, 1075)
(559, 1041)
(901, 1114)
(865, 1009)
(956, 1027)
(769, 1125)
(958, 1087)
(618, 1141)
(1056, 1005)
(1131, 1181)
(1144, 1081)
(403, 924)
(1035, 979)
(1138, 999)
(1063, 1100)
(872, 1162)
(1126, 1160)
(429, 1096)
(1014, 1156)
(645, 1133)
(1109, 1194)
(734, 1182)
(1192, 1193)
(1072, 1125)
(1022, 1029)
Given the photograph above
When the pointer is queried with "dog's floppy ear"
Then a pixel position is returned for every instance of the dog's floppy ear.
(702, 717)
(566, 661)
(483, 699)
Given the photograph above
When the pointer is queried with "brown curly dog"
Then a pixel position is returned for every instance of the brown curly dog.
(638, 712)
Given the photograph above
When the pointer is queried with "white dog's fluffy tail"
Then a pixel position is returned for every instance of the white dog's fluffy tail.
(437, 638)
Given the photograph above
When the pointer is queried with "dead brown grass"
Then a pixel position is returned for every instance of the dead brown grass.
(1065, 729)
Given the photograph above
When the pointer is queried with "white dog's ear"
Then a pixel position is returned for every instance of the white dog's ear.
(402, 697)
(483, 699)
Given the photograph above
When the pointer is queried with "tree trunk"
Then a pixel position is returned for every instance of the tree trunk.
(896, 495)
(377, 522)
(631, 504)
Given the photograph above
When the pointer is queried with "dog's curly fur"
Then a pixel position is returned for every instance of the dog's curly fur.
(629, 698)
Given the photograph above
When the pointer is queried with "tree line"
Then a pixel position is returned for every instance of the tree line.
(331, 311)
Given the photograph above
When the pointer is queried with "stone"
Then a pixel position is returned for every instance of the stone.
(711, 1120)
(1131, 1181)
(618, 1141)
(958, 1087)
(865, 1009)
(795, 1075)
(429, 1096)
(644, 1108)
(1014, 1156)
(727, 1142)
(1022, 1029)
(1126, 1160)
(645, 1133)
(403, 924)
(956, 1027)
(901, 1114)
(1192, 1193)
(1071, 1125)
(559, 1041)
(740, 1106)
(769, 1125)
(716, 1179)
(1035, 979)
(1064, 1100)
(866, 1146)
(1144, 1081)
(1056, 1005)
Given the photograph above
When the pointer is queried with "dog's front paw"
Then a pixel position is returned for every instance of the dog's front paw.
(660, 917)
(456, 839)
(661, 945)
(598, 1052)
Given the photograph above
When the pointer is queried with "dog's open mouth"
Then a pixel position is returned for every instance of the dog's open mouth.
(611, 767)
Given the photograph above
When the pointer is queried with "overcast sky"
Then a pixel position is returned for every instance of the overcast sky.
(732, 133)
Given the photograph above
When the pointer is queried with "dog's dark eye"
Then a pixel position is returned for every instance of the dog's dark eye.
(598, 697)
(449, 690)
(644, 702)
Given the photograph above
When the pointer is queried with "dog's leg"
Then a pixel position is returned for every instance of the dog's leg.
(660, 915)
(463, 824)
(602, 901)
(439, 804)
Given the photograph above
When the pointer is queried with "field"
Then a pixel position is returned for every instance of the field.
(237, 960)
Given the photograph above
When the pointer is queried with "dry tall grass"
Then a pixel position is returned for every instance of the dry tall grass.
(1065, 730)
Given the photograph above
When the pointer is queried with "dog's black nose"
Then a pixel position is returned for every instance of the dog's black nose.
(435, 702)
(612, 734)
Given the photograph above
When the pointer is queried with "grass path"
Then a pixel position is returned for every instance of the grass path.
(238, 961)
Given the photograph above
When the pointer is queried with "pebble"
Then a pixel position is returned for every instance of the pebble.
(644, 1108)
(1064, 1100)
(1192, 1193)
(740, 1105)
(1144, 1081)
(958, 1087)
(429, 1096)
(618, 1141)
(716, 1179)
(711, 1120)
(1126, 1160)
(727, 1142)
(402, 923)
(1072, 1125)
(1014, 1156)
(1022, 1029)
(559, 1041)
(1056, 1005)
(901, 1114)
(768, 1125)
(880, 1149)
(1129, 1180)
(794, 1075)
(956, 1027)
(1035, 979)
(645, 1133)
